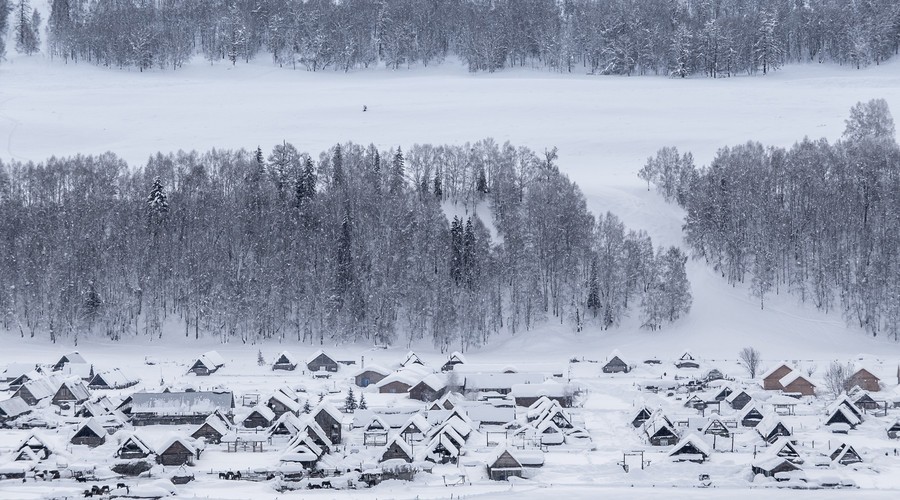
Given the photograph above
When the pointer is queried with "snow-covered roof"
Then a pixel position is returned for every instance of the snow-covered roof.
(41, 388)
(774, 368)
(215, 358)
(374, 369)
(80, 370)
(13, 407)
(549, 389)
(793, 377)
(406, 377)
(735, 394)
(289, 357)
(768, 424)
(316, 355)
(490, 413)
(125, 437)
(419, 422)
(696, 441)
(329, 409)
(411, 358)
(263, 411)
(79, 391)
(399, 442)
(72, 357)
(285, 400)
(94, 426)
(456, 357)
(181, 403)
(495, 381)
(434, 381)
(114, 379)
(171, 440)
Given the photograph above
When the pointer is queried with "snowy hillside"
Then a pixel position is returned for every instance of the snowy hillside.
(604, 127)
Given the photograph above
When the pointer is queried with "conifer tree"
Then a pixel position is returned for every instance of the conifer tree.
(350, 402)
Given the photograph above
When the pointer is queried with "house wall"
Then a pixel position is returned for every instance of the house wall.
(771, 383)
(394, 388)
(368, 378)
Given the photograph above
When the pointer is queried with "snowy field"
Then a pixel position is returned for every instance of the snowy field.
(604, 127)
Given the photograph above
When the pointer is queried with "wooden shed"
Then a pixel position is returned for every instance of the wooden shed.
(865, 380)
(616, 365)
(176, 451)
(397, 448)
(91, 433)
(320, 361)
(369, 375)
(330, 420)
(285, 361)
(503, 465)
(133, 447)
(72, 392)
(796, 383)
(773, 466)
(430, 388)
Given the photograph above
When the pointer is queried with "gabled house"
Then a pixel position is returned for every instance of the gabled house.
(411, 359)
(285, 361)
(71, 393)
(616, 364)
(133, 447)
(455, 359)
(738, 399)
(863, 400)
(691, 448)
(658, 431)
(37, 390)
(259, 417)
(502, 464)
(396, 449)
(784, 448)
(796, 383)
(330, 420)
(774, 466)
(750, 416)
(302, 450)
(369, 375)
(207, 364)
(321, 362)
(287, 424)
(642, 415)
(112, 379)
(844, 454)
(528, 394)
(772, 378)
(32, 447)
(866, 380)
(893, 431)
(13, 408)
(549, 433)
(771, 428)
(839, 414)
(91, 433)
(399, 382)
(687, 360)
(280, 403)
(176, 451)
(72, 357)
(429, 388)
(416, 427)
(716, 427)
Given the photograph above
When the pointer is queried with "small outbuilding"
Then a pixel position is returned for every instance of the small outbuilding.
(321, 362)
(285, 361)
(91, 433)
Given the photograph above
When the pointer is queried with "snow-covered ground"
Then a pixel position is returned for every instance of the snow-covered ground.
(604, 127)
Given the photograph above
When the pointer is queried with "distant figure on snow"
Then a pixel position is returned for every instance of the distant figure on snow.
(364, 108)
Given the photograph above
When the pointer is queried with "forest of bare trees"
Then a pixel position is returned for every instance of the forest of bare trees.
(818, 220)
(448, 243)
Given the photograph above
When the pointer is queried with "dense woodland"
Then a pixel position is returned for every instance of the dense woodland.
(819, 220)
(716, 38)
(449, 243)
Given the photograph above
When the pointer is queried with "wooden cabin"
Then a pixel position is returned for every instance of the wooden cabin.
(133, 447)
(259, 417)
(113, 379)
(397, 448)
(32, 447)
(175, 452)
(207, 364)
(784, 448)
(844, 454)
(37, 390)
(865, 380)
(71, 393)
(372, 374)
(616, 365)
(687, 360)
(285, 361)
(90, 434)
(771, 379)
(13, 408)
(641, 416)
(773, 466)
(796, 383)
(455, 359)
(771, 428)
(211, 430)
(281, 403)
(321, 362)
(893, 431)
(330, 420)
(429, 388)
(691, 448)
(738, 399)
(72, 357)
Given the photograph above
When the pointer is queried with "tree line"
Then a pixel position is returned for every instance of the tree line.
(716, 38)
(819, 220)
(448, 243)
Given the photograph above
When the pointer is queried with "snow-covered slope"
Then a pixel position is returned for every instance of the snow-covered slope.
(605, 128)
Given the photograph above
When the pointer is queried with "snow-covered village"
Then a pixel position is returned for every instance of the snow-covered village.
(311, 420)
(449, 249)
